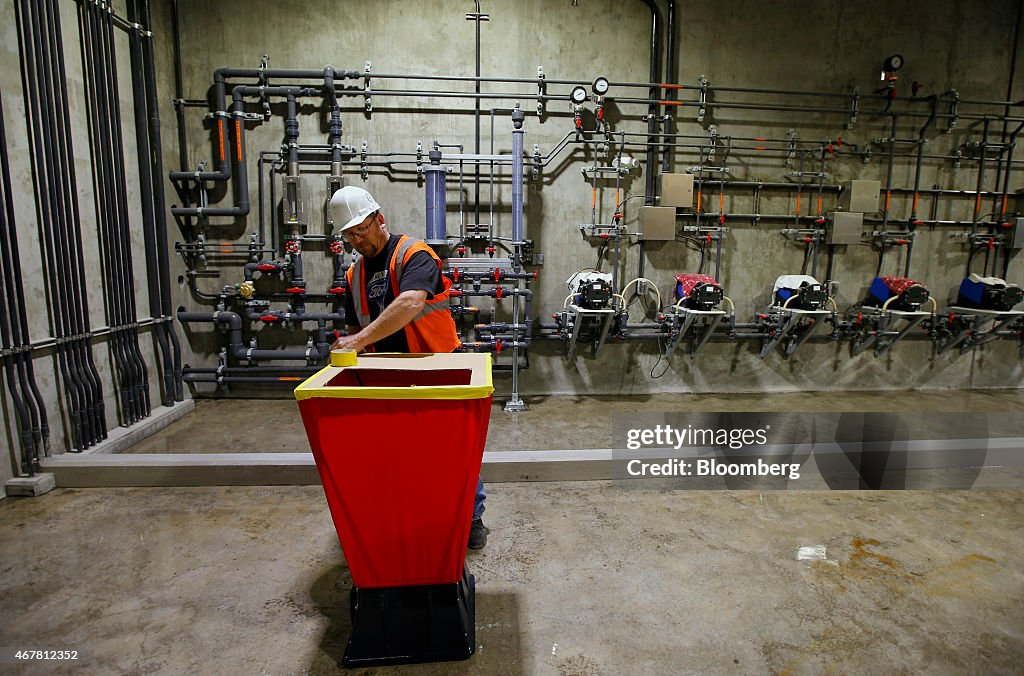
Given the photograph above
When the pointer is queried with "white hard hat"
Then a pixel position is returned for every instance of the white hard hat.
(351, 205)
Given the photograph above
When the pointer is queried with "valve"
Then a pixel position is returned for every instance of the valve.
(269, 318)
(499, 292)
(296, 289)
(497, 274)
(291, 246)
(456, 274)
(268, 267)
(337, 246)
(490, 250)
(497, 345)
(246, 289)
(461, 250)
(336, 290)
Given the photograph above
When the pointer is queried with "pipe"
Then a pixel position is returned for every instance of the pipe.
(237, 350)
(981, 177)
(159, 197)
(12, 327)
(436, 230)
(671, 79)
(517, 175)
(652, 124)
(143, 138)
(31, 72)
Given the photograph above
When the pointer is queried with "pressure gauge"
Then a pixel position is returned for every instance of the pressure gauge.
(578, 95)
(601, 86)
(893, 63)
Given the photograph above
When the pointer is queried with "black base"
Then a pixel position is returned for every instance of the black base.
(408, 625)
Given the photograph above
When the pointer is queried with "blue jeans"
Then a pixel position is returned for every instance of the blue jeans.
(478, 500)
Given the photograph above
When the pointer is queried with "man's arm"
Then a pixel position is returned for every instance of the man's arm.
(400, 312)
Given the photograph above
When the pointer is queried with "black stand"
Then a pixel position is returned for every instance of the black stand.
(407, 625)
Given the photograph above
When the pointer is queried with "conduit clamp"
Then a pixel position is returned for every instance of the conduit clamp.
(541, 90)
(702, 99)
(366, 88)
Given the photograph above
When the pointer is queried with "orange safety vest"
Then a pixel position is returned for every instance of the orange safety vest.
(433, 329)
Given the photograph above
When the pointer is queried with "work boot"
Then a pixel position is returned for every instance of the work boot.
(477, 534)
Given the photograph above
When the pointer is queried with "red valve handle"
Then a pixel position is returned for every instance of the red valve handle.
(336, 289)
(497, 274)
(296, 289)
(497, 346)
(499, 292)
(456, 274)
(266, 267)
(270, 318)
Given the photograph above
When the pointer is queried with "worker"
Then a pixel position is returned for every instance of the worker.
(395, 300)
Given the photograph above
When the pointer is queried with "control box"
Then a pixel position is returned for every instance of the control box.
(658, 223)
(675, 190)
(860, 196)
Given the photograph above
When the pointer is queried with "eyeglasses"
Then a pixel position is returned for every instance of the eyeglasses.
(362, 230)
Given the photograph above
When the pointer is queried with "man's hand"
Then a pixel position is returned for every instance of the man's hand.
(350, 342)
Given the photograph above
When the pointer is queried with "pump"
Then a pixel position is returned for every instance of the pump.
(988, 293)
(799, 292)
(590, 289)
(896, 293)
(698, 292)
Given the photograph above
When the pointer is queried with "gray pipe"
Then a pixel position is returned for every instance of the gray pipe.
(437, 232)
(517, 175)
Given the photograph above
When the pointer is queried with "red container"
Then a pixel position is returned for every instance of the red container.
(398, 440)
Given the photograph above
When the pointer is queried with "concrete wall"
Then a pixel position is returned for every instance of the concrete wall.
(791, 45)
(27, 222)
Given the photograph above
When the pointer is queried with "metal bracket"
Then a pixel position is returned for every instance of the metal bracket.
(793, 319)
(366, 87)
(854, 103)
(363, 169)
(974, 332)
(709, 322)
(702, 98)
(953, 113)
(583, 315)
(541, 90)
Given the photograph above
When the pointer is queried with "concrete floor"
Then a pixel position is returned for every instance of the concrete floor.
(578, 578)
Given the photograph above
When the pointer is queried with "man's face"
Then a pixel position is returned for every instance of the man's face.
(368, 238)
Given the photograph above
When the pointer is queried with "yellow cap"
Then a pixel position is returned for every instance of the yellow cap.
(343, 358)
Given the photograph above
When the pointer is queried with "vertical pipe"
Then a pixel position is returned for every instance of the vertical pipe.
(437, 232)
(74, 228)
(25, 416)
(146, 179)
(159, 198)
(48, 215)
(517, 175)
